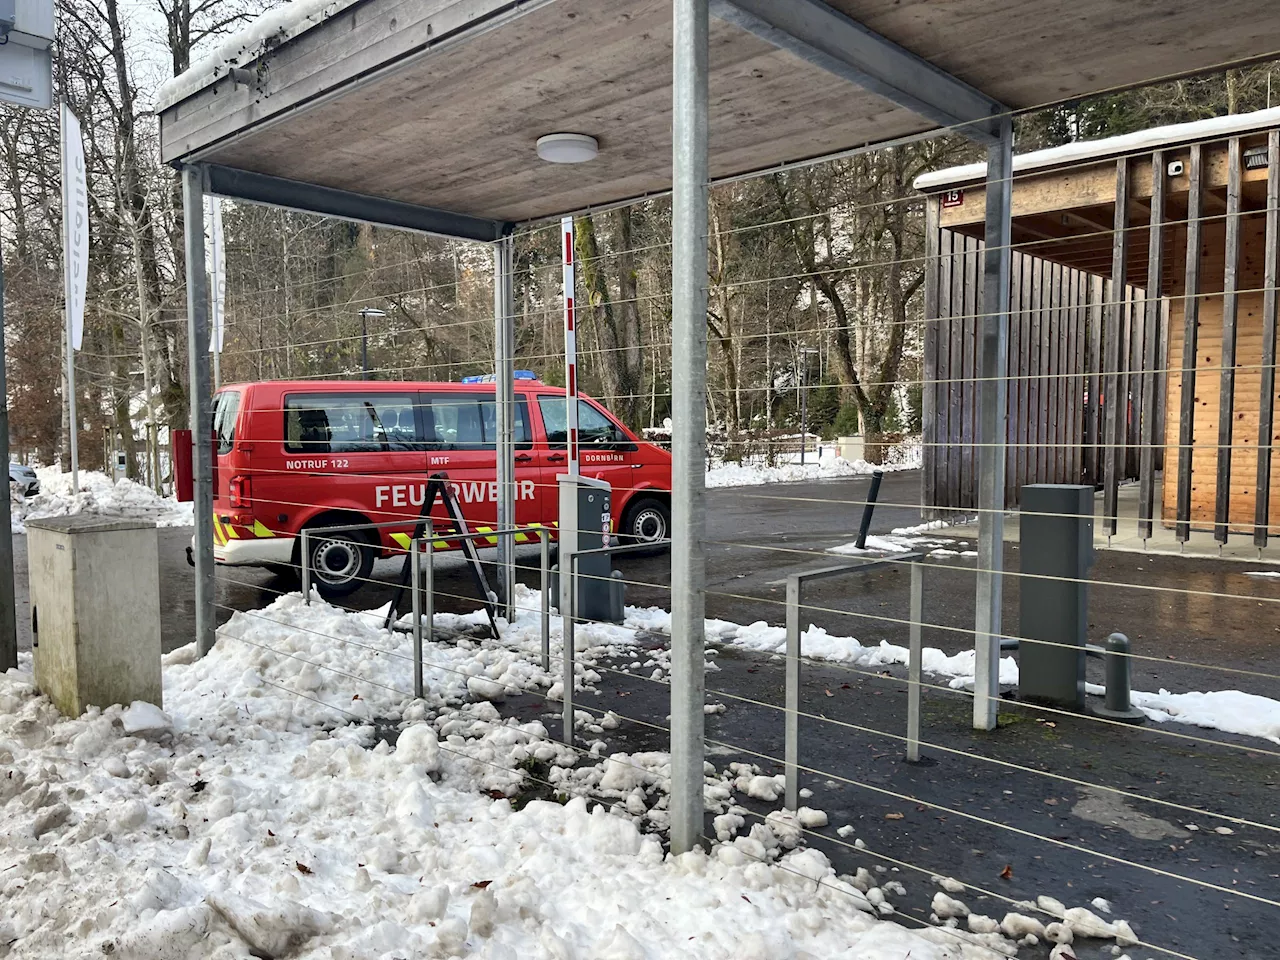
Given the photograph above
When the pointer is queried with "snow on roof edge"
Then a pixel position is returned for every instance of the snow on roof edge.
(1139, 141)
(257, 37)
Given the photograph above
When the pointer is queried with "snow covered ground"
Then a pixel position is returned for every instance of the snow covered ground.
(818, 466)
(921, 538)
(97, 495)
(262, 816)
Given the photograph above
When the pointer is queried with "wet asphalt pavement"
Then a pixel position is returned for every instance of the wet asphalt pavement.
(1177, 610)
(981, 802)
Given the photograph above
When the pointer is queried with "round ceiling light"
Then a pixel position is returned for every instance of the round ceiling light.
(567, 148)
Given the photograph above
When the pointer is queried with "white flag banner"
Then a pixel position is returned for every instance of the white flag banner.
(217, 266)
(75, 224)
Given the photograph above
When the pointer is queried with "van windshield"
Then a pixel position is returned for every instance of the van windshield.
(226, 406)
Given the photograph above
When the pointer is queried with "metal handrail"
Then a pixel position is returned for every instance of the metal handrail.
(795, 587)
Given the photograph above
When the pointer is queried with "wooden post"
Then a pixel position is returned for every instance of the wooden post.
(1151, 347)
(1190, 334)
(1162, 390)
(1227, 385)
(1117, 405)
(1053, 381)
(1093, 425)
(1267, 393)
(1081, 350)
(1013, 373)
(955, 422)
(946, 368)
(1135, 322)
(1062, 430)
(928, 394)
(1035, 373)
(969, 395)
(1027, 273)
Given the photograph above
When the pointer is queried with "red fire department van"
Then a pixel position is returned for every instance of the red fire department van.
(298, 454)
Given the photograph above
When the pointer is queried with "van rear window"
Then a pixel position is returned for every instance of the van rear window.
(350, 423)
(226, 406)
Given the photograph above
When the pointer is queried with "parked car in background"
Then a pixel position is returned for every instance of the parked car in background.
(23, 479)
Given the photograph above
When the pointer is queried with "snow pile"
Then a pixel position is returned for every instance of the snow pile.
(815, 642)
(927, 527)
(874, 544)
(97, 495)
(248, 820)
(904, 539)
(1229, 710)
(1062, 925)
(826, 466)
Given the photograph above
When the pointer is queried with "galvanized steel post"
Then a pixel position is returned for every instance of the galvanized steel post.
(193, 191)
(544, 549)
(429, 587)
(415, 592)
(791, 746)
(304, 556)
(568, 572)
(504, 346)
(914, 658)
(689, 176)
(992, 418)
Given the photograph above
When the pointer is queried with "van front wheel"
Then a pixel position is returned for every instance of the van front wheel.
(340, 564)
(648, 520)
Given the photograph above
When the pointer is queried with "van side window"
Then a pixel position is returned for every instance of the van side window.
(226, 407)
(469, 421)
(350, 423)
(593, 426)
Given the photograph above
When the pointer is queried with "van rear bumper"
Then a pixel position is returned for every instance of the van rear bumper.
(254, 552)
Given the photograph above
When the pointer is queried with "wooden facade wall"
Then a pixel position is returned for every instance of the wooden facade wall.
(1199, 225)
(1055, 427)
(1245, 406)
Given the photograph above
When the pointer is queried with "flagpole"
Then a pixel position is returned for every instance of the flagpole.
(73, 422)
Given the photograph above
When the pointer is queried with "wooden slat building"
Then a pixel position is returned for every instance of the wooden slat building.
(1182, 222)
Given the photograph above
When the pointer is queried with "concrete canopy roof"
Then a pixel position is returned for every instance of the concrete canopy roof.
(438, 103)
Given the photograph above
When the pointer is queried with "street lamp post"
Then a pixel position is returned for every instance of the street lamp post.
(365, 314)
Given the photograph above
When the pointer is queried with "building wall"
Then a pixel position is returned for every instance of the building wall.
(1054, 424)
(1246, 400)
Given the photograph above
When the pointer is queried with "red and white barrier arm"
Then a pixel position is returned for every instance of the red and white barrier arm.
(570, 346)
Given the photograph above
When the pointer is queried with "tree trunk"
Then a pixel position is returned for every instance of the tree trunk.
(136, 205)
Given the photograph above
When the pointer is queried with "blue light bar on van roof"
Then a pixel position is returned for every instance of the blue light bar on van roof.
(490, 378)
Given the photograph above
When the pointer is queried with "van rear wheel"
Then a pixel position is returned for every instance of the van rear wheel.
(648, 520)
(340, 563)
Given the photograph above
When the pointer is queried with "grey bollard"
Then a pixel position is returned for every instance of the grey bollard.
(1116, 702)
